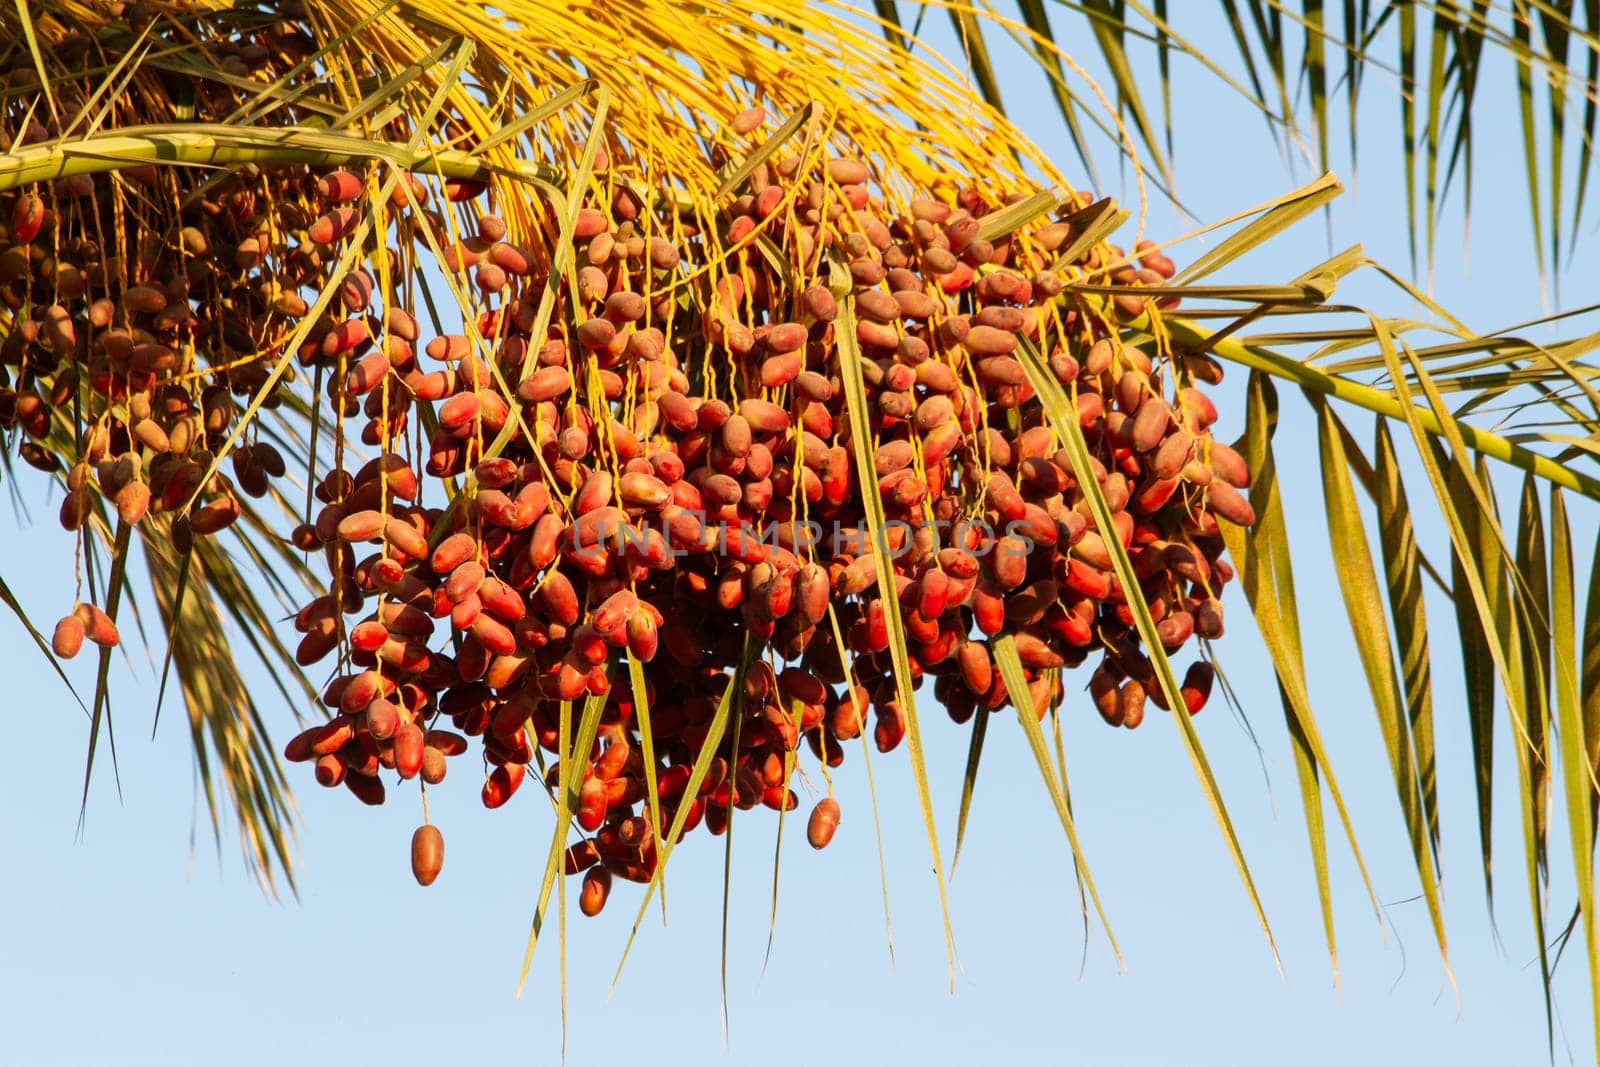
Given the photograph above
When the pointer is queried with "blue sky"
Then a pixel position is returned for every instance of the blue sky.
(123, 946)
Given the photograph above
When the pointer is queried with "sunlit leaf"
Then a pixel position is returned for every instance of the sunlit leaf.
(1358, 581)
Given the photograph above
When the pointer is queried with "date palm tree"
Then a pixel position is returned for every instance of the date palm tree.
(184, 155)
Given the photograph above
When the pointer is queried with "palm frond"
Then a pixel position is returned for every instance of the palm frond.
(1439, 50)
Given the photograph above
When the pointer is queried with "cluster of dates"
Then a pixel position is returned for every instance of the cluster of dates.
(137, 309)
(632, 480)
(680, 488)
